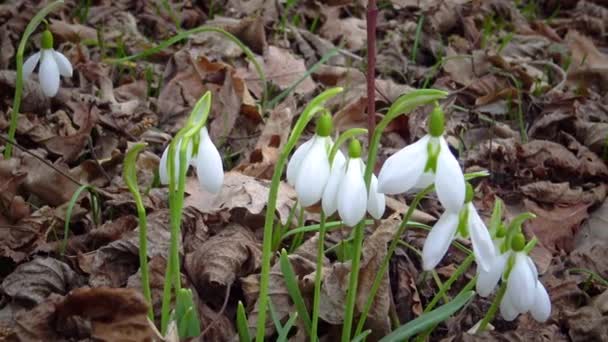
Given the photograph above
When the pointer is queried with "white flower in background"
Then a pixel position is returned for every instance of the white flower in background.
(426, 161)
(207, 161)
(346, 191)
(308, 169)
(52, 65)
(525, 293)
(465, 223)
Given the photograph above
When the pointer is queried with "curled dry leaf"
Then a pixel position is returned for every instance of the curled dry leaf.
(216, 264)
(303, 262)
(562, 193)
(114, 314)
(239, 192)
(335, 283)
(34, 281)
(21, 239)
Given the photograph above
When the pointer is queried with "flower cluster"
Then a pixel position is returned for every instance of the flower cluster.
(339, 183)
(524, 292)
(52, 65)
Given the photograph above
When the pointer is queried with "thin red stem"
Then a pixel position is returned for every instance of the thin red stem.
(372, 15)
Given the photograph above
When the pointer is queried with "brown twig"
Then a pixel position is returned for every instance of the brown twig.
(45, 162)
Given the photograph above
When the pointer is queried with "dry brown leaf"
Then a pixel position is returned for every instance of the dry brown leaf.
(557, 193)
(34, 281)
(303, 261)
(261, 161)
(282, 68)
(216, 264)
(21, 239)
(350, 30)
(589, 65)
(335, 284)
(556, 226)
(157, 267)
(239, 192)
(114, 314)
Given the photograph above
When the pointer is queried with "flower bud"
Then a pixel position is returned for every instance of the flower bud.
(47, 40)
(354, 149)
(437, 122)
(324, 125)
(518, 242)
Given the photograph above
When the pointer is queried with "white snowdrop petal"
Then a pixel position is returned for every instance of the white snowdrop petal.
(313, 174)
(163, 168)
(507, 310)
(439, 239)
(449, 179)
(487, 280)
(209, 168)
(541, 310)
(376, 203)
(522, 283)
(483, 246)
(48, 74)
(163, 172)
(330, 200)
(64, 65)
(296, 159)
(532, 267)
(30, 65)
(401, 171)
(352, 194)
(425, 179)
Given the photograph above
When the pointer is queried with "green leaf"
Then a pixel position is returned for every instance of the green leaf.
(241, 323)
(361, 336)
(283, 334)
(293, 289)
(429, 319)
(68, 212)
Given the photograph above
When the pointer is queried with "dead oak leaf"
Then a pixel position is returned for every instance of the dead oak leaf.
(239, 192)
(282, 68)
(351, 30)
(34, 281)
(556, 226)
(217, 262)
(114, 314)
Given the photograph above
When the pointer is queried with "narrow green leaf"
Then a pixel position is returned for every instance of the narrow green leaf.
(291, 283)
(283, 335)
(429, 319)
(68, 213)
(241, 323)
(361, 336)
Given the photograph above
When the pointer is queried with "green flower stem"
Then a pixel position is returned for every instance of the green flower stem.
(195, 123)
(318, 275)
(130, 177)
(403, 104)
(185, 34)
(493, 308)
(353, 132)
(29, 29)
(311, 109)
(446, 286)
(391, 249)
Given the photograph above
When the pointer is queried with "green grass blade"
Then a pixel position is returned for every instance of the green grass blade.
(361, 336)
(429, 319)
(241, 323)
(283, 335)
(291, 283)
(68, 214)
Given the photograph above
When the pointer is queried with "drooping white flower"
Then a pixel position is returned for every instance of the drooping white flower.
(524, 291)
(445, 230)
(207, 161)
(346, 191)
(426, 161)
(53, 64)
(308, 170)
(199, 152)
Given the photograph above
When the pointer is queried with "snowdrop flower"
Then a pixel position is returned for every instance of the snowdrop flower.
(52, 65)
(465, 223)
(426, 161)
(346, 191)
(308, 169)
(525, 293)
(206, 160)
